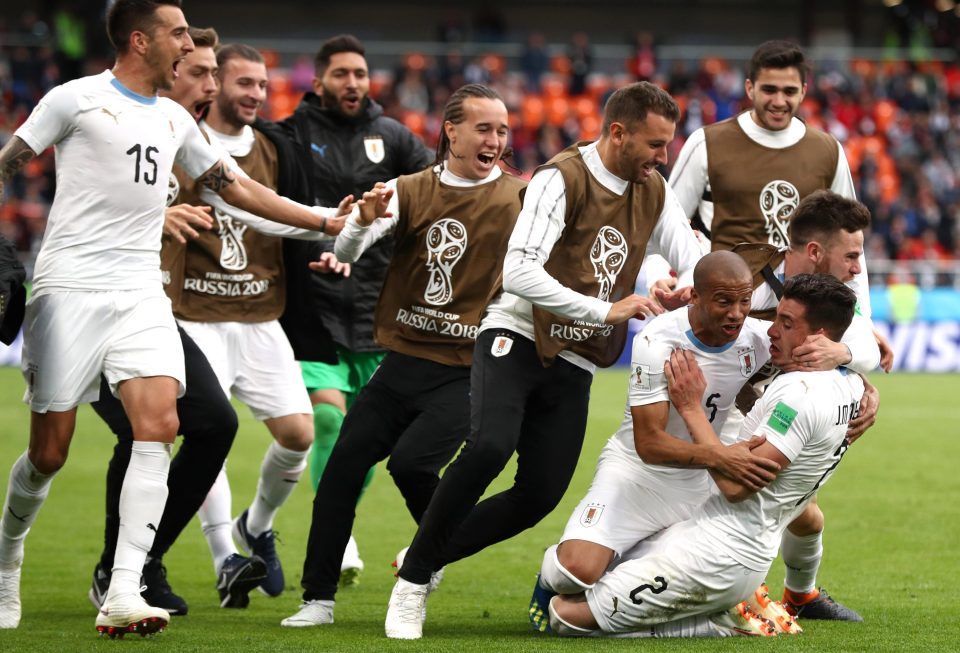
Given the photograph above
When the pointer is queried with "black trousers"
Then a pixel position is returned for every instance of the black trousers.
(208, 424)
(415, 411)
(519, 405)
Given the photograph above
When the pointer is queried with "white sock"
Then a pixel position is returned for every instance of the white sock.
(142, 499)
(801, 558)
(279, 473)
(216, 522)
(555, 577)
(26, 492)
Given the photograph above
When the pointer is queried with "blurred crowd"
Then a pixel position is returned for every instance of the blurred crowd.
(899, 122)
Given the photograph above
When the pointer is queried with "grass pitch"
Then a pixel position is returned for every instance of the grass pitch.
(891, 542)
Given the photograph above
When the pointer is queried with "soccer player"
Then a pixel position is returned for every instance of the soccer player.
(744, 176)
(208, 422)
(687, 579)
(651, 474)
(228, 290)
(97, 303)
(451, 223)
(347, 146)
(826, 235)
(588, 217)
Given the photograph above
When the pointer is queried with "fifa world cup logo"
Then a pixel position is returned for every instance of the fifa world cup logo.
(608, 255)
(173, 189)
(778, 199)
(233, 255)
(446, 243)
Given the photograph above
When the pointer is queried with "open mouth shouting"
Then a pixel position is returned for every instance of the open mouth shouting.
(199, 109)
(732, 329)
(487, 159)
(351, 103)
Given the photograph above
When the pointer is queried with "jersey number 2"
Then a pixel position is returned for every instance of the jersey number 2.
(149, 176)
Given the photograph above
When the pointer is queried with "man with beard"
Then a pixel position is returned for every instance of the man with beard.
(347, 145)
(98, 305)
(589, 216)
(690, 579)
(743, 178)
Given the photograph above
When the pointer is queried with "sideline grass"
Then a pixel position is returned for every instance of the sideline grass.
(891, 541)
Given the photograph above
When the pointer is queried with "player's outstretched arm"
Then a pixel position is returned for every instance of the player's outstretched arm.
(256, 198)
(13, 157)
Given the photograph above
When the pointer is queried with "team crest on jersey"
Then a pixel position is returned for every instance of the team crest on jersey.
(778, 199)
(748, 362)
(641, 377)
(608, 255)
(501, 346)
(446, 243)
(373, 145)
(591, 514)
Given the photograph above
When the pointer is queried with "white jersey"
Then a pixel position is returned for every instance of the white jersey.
(725, 369)
(115, 150)
(689, 179)
(539, 227)
(804, 415)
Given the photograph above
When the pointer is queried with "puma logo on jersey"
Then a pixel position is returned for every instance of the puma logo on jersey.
(115, 116)
(616, 607)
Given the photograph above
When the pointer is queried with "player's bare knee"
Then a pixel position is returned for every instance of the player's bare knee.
(294, 432)
(161, 426)
(585, 568)
(48, 459)
(808, 522)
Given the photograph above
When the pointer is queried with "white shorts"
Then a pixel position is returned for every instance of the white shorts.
(617, 511)
(71, 337)
(679, 575)
(254, 362)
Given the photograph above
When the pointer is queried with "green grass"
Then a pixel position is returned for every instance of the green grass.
(891, 548)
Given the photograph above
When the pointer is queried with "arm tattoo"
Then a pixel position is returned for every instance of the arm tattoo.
(218, 177)
(13, 157)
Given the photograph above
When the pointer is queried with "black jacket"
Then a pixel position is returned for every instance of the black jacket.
(345, 159)
(13, 295)
(310, 342)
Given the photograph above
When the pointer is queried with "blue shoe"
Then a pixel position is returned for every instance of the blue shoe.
(264, 547)
(539, 612)
(239, 575)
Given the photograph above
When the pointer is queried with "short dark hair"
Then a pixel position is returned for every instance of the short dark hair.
(778, 54)
(128, 16)
(453, 112)
(631, 104)
(822, 214)
(829, 304)
(238, 51)
(336, 45)
(204, 37)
